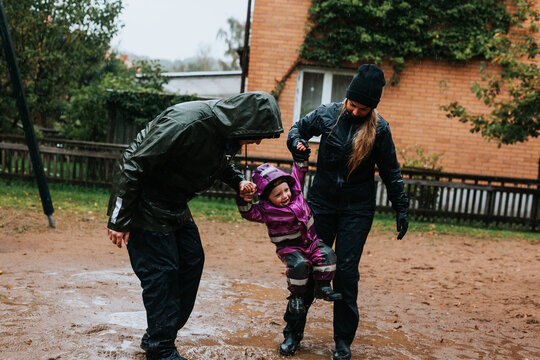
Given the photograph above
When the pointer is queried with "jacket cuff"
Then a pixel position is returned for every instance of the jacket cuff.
(243, 206)
(117, 227)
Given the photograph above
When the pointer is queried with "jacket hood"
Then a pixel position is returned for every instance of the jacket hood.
(264, 174)
(248, 116)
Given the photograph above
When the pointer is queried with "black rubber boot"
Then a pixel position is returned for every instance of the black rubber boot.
(324, 291)
(174, 355)
(290, 344)
(342, 351)
(296, 305)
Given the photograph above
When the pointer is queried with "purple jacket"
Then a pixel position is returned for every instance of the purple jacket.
(293, 223)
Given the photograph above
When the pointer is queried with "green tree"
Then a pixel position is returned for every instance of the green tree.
(60, 46)
(234, 39)
(514, 91)
(86, 116)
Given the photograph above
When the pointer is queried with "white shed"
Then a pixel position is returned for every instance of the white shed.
(205, 84)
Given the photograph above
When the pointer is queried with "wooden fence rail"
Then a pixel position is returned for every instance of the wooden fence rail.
(432, 194)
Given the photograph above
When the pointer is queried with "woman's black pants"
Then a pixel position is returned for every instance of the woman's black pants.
(349, 232)
(169, 266)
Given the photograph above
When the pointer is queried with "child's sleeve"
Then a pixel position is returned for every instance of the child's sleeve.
(250, 211)
(299, 172)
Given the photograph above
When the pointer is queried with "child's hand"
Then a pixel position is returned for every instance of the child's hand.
(247, 189)
(248, 198)
(300, 146)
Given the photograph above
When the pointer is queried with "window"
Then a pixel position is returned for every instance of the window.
(315, 87)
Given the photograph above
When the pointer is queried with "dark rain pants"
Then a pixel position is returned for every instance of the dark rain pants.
(349, 231)
(169, 266)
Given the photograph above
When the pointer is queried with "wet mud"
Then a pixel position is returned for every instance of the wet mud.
(70, 294)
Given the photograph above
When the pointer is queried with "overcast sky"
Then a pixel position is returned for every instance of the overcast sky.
(176, 29)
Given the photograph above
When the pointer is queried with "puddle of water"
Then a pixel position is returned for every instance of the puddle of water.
(100, 301)
(133, 319)
(107, 275)
(107, 332)
(125, 345)
(75, 303)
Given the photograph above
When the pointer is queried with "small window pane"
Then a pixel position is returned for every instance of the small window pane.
(311, 92)
(339, 86)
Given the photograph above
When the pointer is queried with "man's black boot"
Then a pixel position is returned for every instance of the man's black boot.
(290, 344)
(342, 351)
(324, 291)
(296, 305)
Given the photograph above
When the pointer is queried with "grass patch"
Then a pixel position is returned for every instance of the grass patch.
(22, 194)
(25, 195)
(387, 222)
(215, 209)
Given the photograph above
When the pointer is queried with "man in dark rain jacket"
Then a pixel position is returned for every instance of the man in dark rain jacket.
(179, 155)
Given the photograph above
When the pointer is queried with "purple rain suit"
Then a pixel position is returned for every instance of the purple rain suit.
(291, 228)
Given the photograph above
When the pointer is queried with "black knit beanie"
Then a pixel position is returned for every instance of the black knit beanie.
(366, 86)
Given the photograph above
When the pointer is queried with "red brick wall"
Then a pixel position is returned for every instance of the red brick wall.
(411, 107)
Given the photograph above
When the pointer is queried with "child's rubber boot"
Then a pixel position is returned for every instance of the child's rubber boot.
(324, 291)
(342, 351)
(290, 344)
(174, 355)
(296, 305)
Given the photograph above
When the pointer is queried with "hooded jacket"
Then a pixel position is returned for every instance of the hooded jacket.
(181, 153)
(333, 189)
(291, 224)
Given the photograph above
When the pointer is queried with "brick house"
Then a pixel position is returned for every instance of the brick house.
(411, 107)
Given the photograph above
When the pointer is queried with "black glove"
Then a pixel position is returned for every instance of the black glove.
(402, 222)
(300, 155)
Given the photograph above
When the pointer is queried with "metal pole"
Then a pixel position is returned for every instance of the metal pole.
(245, 50)
(31, 141)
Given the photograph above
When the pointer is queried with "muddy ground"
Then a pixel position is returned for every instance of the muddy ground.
(68, 293)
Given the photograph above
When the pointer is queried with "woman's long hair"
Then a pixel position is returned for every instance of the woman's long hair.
(363, 139)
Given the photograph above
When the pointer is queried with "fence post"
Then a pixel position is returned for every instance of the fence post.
(490, 201)
(535, 205)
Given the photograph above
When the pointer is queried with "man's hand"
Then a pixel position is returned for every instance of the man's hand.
(247, 190)
(117, 236)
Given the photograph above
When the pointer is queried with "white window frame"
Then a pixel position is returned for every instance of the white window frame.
(326, 95)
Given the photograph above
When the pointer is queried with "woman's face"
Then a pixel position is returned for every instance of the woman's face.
(357, 109)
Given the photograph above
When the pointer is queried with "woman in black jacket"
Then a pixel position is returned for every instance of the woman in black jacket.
(354, 138)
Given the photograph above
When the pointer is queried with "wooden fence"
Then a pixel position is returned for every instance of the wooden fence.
(445, 196)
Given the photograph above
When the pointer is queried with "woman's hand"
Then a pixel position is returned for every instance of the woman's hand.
(402, 222)
(300, 150)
